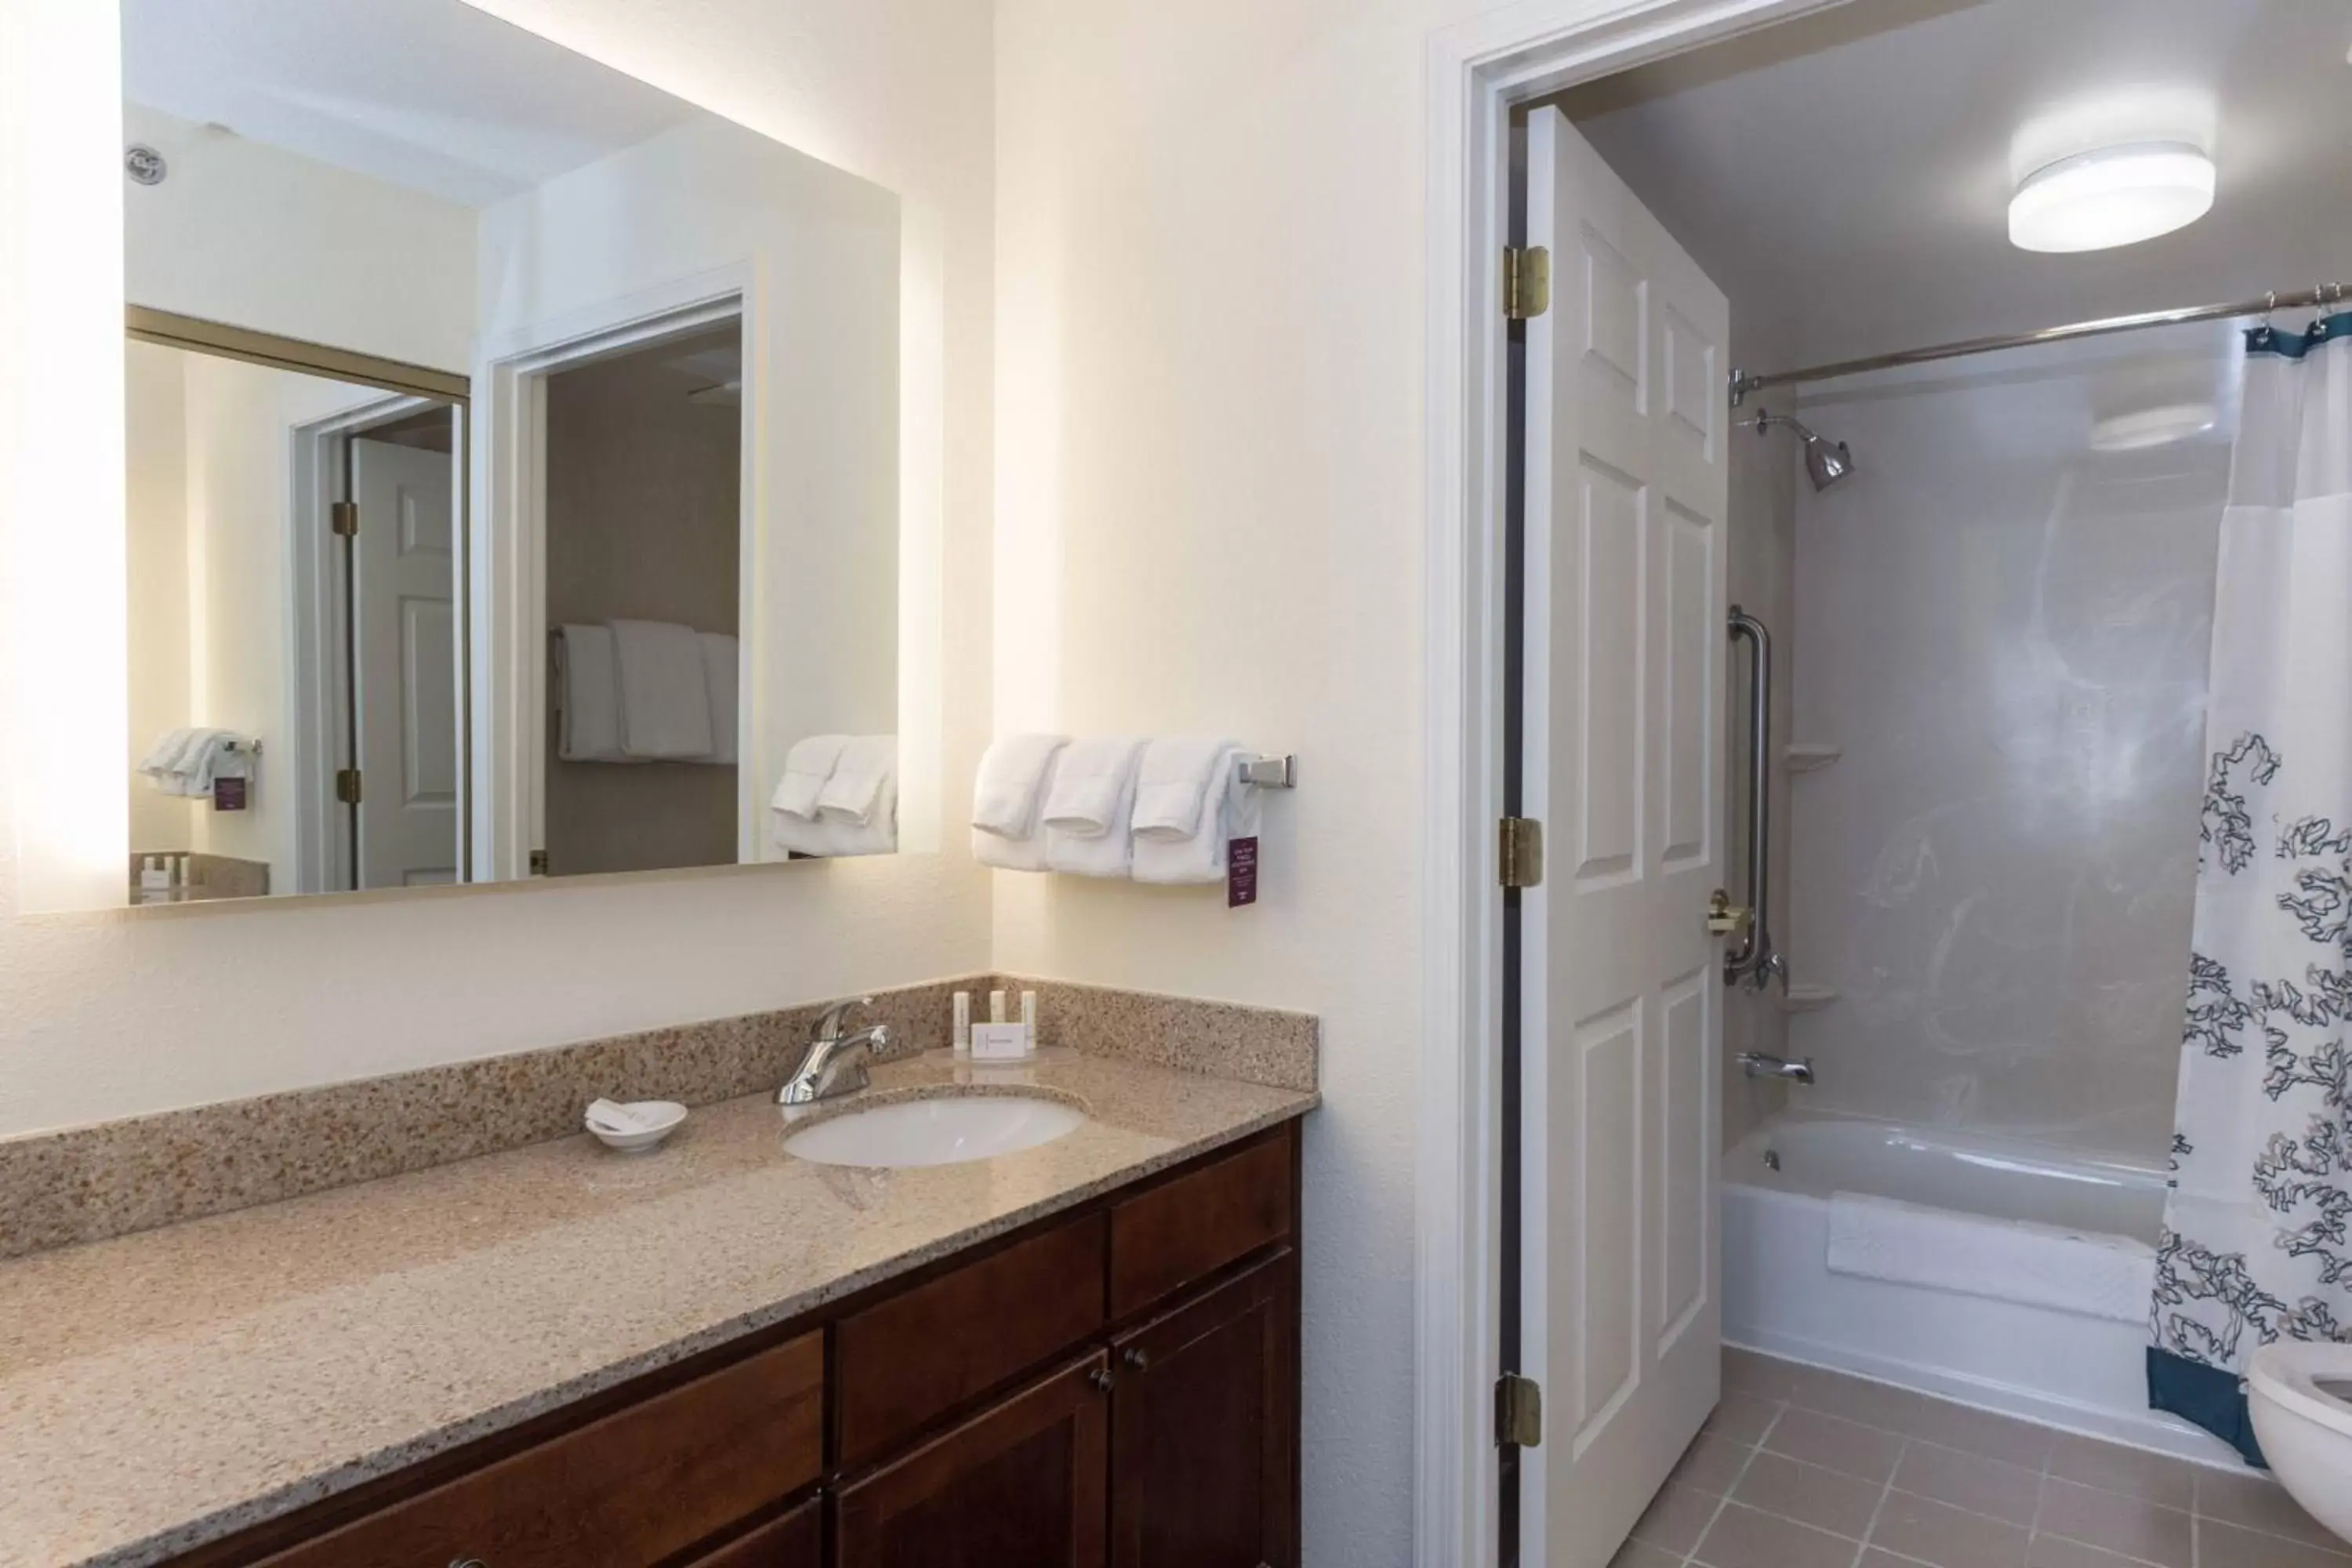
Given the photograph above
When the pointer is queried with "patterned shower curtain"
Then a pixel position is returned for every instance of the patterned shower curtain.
(2257, 1239)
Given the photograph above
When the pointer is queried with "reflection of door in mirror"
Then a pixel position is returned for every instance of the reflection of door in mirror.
(643, 538)
(280, 664)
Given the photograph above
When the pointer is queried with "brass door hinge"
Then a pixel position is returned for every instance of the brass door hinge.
(539, 862)
(347, 787)
(1521, 852)
(1527, 282)
(1518, 1411)
(344, 518)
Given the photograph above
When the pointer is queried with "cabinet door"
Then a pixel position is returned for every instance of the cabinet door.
(1205, 1429)
(1019, 1485)
(795, 1541)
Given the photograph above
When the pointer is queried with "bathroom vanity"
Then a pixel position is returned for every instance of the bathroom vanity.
(718, 1357)
(1115, 1385)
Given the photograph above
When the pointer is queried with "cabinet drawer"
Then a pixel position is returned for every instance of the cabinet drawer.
(1194, 1226)
(628, 1488)
(905, 1361)
(795, 1541)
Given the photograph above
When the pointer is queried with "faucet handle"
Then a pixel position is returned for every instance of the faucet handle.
(828, 1023)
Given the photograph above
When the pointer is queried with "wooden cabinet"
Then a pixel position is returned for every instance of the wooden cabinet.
(1115, 1386)
(1019, 1485)
(1205, 1429)
(795, 1541)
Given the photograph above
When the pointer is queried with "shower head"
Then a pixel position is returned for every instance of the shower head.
(1826, 462)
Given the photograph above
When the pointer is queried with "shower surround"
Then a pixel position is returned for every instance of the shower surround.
(2006, 628)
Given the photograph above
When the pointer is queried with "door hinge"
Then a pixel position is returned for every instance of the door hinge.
(1527, 282)
(539, 862)
(1522, 852)
(344, 518)
(1518, 1411)
(347, 787)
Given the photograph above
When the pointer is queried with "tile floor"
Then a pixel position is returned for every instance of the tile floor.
(1801, 1468)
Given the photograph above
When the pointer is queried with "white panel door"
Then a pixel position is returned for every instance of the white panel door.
(405, 664)
(1626, 485)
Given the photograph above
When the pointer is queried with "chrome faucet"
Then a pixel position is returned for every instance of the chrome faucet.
(835, 1063)
(1756, 1064)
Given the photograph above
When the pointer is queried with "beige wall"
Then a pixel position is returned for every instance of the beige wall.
(272, 997)
(155, 542)
(642, 524)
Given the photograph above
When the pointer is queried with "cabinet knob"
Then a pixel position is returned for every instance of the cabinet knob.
(1101, 1378)
(470, 1563)
(1138, 1358)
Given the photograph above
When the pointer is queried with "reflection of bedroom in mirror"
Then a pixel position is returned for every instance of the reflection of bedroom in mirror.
(513, 462)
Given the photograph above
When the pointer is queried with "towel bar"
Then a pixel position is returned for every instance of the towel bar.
(1269, 772)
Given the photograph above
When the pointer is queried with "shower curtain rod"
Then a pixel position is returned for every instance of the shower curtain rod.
(1742, 384)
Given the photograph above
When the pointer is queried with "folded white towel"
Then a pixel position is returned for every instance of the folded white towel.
(1011, 788)
(722, 671)
(854, 791)
(1093, 790)
(1173, 783)
(1230, 811)
(665, 693)
(1089, 805)
(835, 836)
(210, 755)
(1010, 854)
(165, 754)
(588, 694)
(806, 768)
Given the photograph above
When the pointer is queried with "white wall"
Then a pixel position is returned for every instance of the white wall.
(256, 237)
(155, 429)
(272, 997)
(2007, 632)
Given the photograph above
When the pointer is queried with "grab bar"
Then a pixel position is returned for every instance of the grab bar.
(1752, 957)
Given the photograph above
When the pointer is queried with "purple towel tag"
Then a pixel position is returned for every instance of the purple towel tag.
(1240, 872)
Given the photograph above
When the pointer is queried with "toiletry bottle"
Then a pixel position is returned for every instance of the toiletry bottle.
(1029, 1015)
(996, 1007)
(963, 1023)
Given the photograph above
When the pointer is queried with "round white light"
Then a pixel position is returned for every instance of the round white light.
(2145, 427)
(2116, 196)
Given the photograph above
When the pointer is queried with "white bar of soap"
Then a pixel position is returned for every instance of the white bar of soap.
(1000, 1042)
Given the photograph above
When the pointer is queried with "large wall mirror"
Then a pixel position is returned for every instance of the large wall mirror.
(514, 463)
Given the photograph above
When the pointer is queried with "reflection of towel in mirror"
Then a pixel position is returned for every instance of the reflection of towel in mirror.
(851, 795)
(664, 690)
(806, 768)
(721, 674)
(835, 830)
(588, 696)
(188, 761)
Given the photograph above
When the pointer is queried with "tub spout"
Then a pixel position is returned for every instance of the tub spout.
(1756, 1064)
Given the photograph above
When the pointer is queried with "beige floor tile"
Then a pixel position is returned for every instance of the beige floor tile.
(1984, 1433)
(2132, 1526)
(2114, 1467)
(1758, 1376)
(2057, 1552)
(1639, 1554)
(1826, 1499)
(2227, 1546)
(1741, 1418)
(2259, 1504)
(1711, 1464)
(1675, 1518)
(1743, 1538)
(2007, 1492)
(1835, 1444)
(1880, 1405)
(1947, 1537)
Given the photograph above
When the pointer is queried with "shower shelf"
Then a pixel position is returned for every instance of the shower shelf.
(1802, 998)
(1804, 756)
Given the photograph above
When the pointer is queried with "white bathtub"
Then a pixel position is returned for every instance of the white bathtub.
(2066, 1368)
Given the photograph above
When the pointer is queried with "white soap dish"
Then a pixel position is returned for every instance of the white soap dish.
(637, 1127)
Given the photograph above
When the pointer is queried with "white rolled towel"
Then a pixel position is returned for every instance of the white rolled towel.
(1090, 807)
(723, 677)
(588, 694)
(1229, 810)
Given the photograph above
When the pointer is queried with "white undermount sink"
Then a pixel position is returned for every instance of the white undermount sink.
(941, 1129)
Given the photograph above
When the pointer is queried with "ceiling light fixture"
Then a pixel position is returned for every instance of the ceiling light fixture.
(2115, 196)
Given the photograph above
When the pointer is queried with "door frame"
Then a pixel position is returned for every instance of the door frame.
(510, 559)
(319, 726)
(1479, 73)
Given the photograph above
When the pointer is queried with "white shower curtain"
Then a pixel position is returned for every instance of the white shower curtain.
(2257, 1239)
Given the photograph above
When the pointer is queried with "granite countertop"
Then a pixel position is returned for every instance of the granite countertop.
(162, 1390)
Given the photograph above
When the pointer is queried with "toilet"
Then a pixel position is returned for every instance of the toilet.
(2299, 1396)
